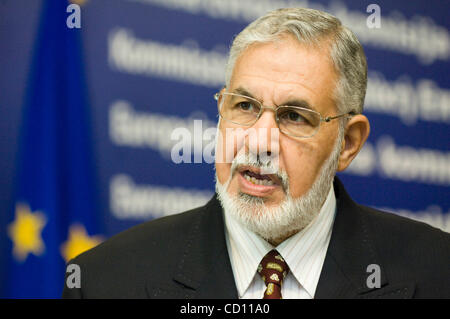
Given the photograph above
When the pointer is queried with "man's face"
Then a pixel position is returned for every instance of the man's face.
(276, 74)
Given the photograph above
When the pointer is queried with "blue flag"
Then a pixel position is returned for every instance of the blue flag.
(55, 213)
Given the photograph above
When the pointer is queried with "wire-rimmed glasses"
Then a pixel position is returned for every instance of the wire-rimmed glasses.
(292, 120)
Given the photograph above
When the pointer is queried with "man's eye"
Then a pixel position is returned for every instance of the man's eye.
(293, 116)
(245, 106)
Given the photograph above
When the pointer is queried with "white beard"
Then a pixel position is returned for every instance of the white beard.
(292, 214)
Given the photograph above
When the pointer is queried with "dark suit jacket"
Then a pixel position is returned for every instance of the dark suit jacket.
(185, 256)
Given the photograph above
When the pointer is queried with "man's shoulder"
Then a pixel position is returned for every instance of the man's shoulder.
(388, 226)
(409, 248)
(151, 236)
(124, 265)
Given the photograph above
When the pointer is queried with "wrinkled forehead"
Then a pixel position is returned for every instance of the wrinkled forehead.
(286, 70)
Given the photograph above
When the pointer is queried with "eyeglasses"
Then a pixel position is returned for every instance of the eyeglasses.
(292, 120)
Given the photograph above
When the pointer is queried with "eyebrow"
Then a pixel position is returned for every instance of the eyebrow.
(300, 103)
(294, 102)
(240, 90)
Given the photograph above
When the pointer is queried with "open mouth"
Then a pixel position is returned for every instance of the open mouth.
(253, 175)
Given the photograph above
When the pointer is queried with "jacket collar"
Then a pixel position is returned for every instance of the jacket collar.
(205, 267)
(350, 252)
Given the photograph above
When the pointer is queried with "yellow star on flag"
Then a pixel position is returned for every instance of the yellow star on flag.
(78, 242)
(26, 232)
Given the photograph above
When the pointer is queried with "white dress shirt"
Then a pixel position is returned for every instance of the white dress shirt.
(304, 253)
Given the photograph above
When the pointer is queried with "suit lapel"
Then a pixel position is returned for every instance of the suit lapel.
(204, 267)
(350, 252)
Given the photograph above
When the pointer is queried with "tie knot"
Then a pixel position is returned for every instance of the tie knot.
(273, 269)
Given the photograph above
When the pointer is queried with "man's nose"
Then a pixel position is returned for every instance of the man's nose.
(263, 136)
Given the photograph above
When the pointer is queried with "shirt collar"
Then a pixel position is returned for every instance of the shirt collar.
(302, 252)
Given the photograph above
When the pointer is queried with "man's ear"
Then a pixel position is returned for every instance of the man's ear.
(356, 133)
(222, 90)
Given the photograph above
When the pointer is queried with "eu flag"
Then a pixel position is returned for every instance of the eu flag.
(55, 215)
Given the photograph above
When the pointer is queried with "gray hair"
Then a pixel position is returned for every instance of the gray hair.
(313, 27)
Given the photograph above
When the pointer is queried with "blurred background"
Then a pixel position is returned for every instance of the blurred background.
(91, 91)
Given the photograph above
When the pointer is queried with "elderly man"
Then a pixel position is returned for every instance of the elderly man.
(281, 225)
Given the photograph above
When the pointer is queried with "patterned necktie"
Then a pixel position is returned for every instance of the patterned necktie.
(273, 269)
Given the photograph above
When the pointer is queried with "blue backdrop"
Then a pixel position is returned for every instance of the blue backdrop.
(146, 67)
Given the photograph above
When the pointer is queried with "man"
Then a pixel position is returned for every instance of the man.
(278, 225)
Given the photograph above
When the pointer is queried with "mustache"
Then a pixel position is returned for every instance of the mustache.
(251, 159)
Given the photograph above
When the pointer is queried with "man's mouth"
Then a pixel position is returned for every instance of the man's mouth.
(257, 178)
(253, 175)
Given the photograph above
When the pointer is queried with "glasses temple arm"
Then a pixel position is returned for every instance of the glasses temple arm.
(329, 118)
